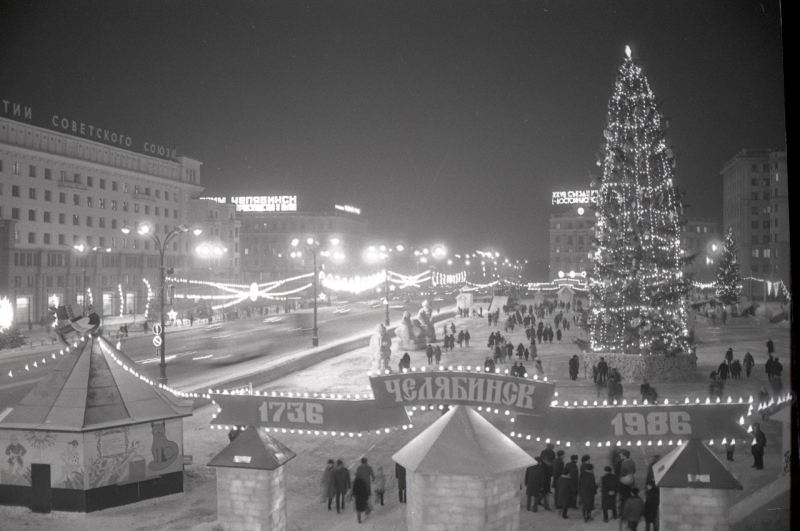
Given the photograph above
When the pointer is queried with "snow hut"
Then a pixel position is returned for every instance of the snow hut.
(462, 474)
(695, 488)
(92, 434)
(251, 488)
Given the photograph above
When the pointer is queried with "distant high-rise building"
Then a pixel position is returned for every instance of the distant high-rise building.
(755, 206)
(571, 233)
(217, 256)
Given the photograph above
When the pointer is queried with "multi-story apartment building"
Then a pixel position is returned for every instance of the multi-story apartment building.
(61, 190)
(755, 202)
(217, 257)
(571, 233)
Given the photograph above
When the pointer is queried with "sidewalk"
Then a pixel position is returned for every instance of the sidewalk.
(195, 510)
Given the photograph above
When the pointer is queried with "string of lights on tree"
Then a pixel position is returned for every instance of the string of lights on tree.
(729, 283)
(637, 290)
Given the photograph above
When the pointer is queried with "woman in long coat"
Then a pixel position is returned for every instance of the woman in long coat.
(587, 489)
(564, 492)
(361, 496)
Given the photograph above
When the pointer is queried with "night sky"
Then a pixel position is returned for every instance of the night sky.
(442, 120)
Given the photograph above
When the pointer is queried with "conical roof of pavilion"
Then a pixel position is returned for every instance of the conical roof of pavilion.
(462, 443)
(693, 466)
(92, 388)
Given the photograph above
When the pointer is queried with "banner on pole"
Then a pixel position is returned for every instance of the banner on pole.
(318, 414)
(508, 393)
(637, 423)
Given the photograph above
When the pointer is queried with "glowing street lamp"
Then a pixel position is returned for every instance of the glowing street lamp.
(382, 253)
(312, 244)
(145, 229)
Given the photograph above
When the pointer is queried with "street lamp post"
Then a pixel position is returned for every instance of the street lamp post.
(313, 245)
(161, 247)
(437, 252)
(382, 253)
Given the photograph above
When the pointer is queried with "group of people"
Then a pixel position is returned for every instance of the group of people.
(575, 486)
(366, 482)
(731, 368)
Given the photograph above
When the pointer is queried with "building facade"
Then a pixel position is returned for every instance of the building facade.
(266, 241)
(702, 239)
(571, 233)
(217, 257)
(755, 201)
(59, 191)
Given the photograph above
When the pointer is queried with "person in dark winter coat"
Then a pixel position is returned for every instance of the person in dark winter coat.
(736, 370)
(498, 354)
(361, 497)
(609, 487)
(429, 354)
(558, 469)
(602, 370)
(757, 449)
(572, 469)
(460, 338)
(770, 347)
(558, 334)
(587, 488)
(626, 468)
(328, 485)
(729, 356)
(651, 475)
(400, 474)
(534, 483)
(573, 368)
(749, 362)
(633, 510)
(564, 492)
(341, 479)
(652, 499)
(437, 355)
(466, 338)
(722, 371)
(405, 362)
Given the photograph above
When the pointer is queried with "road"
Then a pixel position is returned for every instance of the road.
(211, 349)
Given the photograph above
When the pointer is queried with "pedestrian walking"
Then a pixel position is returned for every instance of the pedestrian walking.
(730, 447)
(328, 484)
(365, 472)
(361, 497)
(729, 356)
(466, 338)
(429, 354)
(609, 487)
(748, 363)
(437, 355)
(341, 479)
(633, 510)
(770, 347)
(558, 334)
(400, 475)
(736, 370)
(380, 483)
(539, 368)
(460, 338)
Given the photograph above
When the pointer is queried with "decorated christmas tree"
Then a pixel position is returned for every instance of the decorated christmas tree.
(637, 289)
(729, 283)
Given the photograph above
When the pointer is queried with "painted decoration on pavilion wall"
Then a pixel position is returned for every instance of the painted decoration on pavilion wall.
(133, 453)
(89, 460)
(62, 451)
